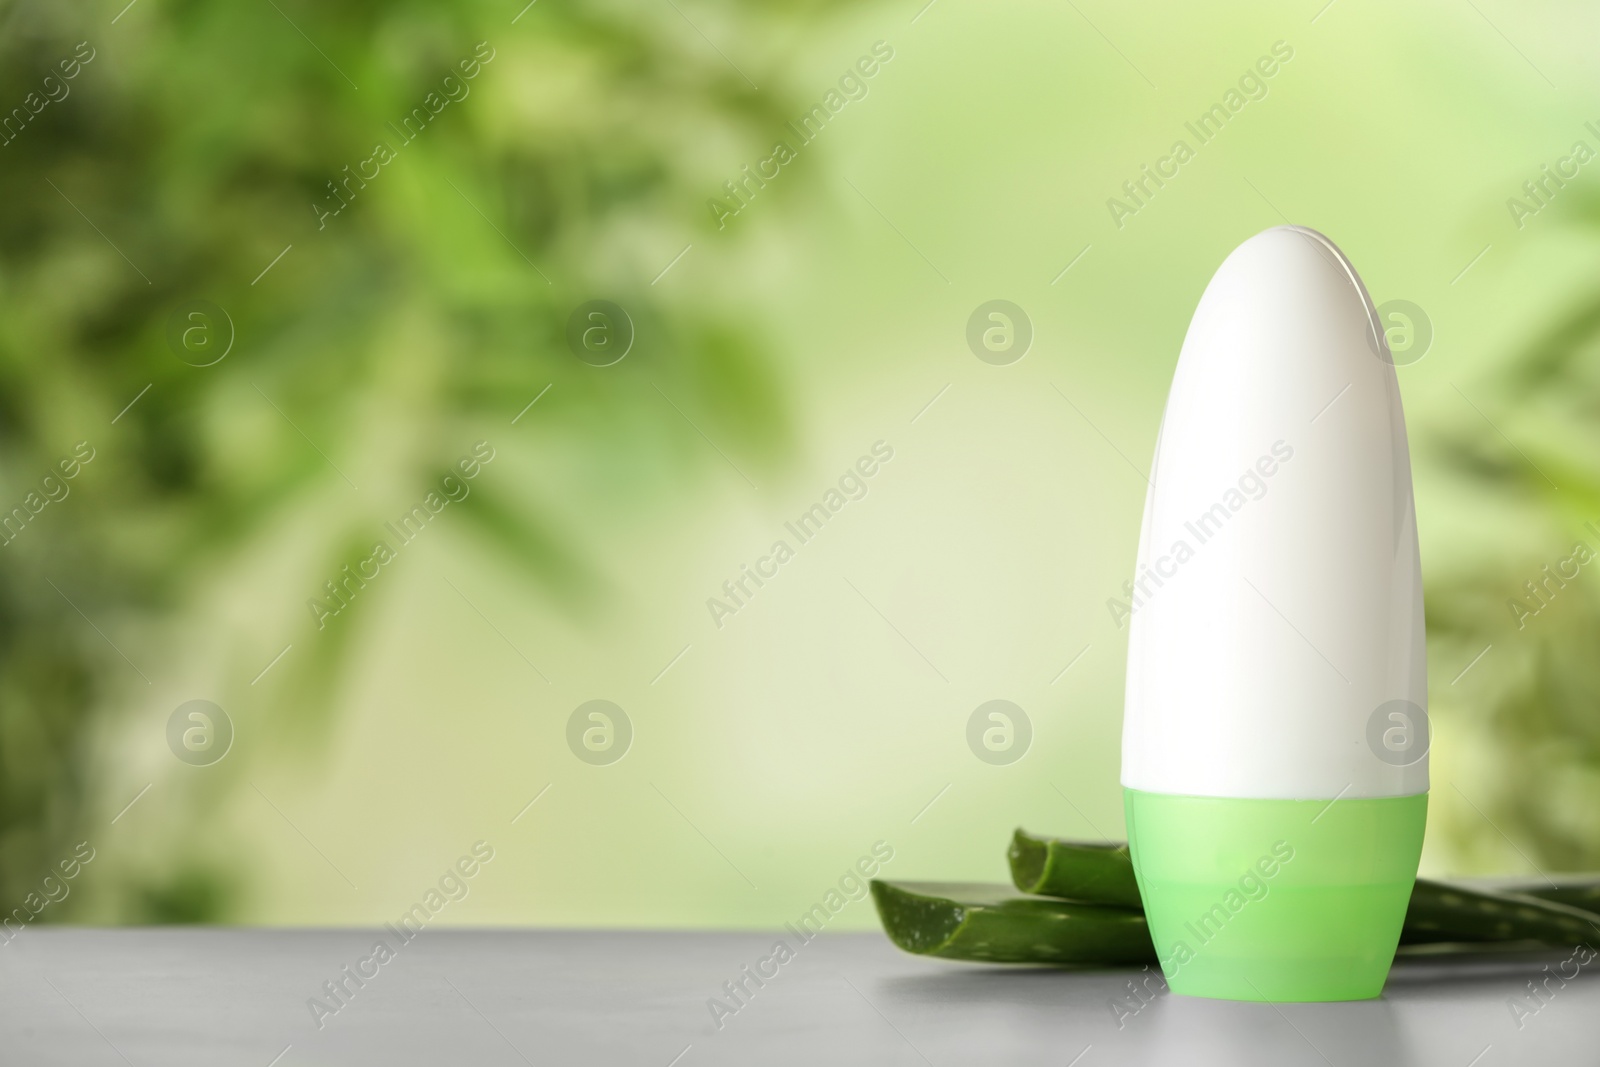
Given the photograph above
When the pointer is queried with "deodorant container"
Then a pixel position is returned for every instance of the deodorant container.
(1274, 748)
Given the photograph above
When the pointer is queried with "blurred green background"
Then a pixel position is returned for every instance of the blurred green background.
(771, 349)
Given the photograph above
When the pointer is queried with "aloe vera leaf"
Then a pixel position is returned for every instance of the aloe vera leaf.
(1440, 911)
(996, 924)
(1582, 894)
(1099, 872)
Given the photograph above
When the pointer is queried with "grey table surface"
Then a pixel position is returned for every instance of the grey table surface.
(224, 997)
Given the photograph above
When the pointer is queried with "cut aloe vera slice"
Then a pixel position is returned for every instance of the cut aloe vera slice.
(996, 924)
(1099, 872)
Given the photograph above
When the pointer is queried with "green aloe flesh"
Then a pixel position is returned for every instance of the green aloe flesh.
(1079, 904)
(996, 924)
(1098, 871)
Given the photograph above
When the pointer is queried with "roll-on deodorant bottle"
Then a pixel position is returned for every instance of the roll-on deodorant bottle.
(1274, 749)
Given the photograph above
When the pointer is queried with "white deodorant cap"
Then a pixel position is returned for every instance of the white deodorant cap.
(1276, 644)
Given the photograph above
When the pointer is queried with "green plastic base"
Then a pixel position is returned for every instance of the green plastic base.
(1275, 900)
